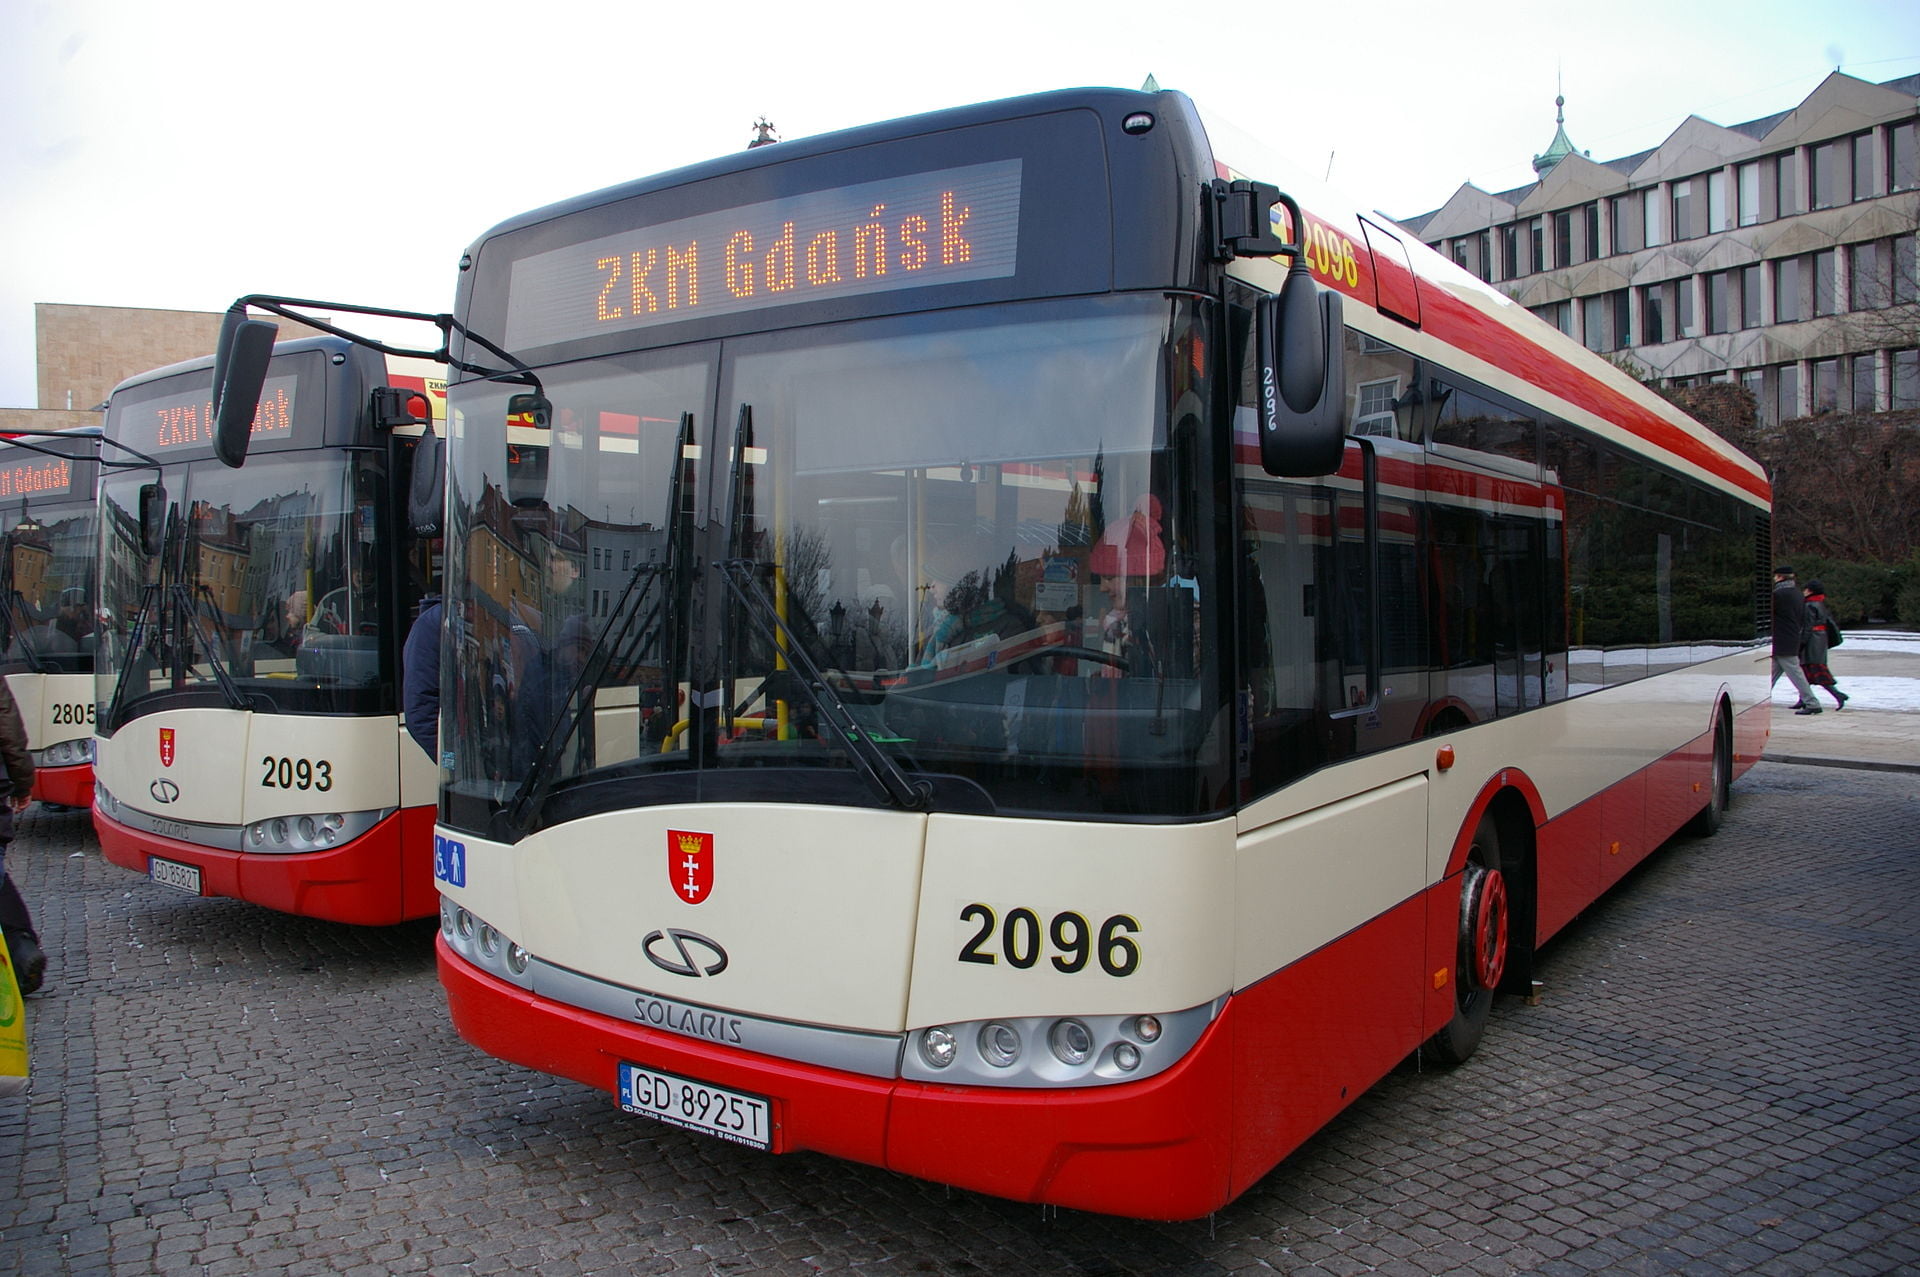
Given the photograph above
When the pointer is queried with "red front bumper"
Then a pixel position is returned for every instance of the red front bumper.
(380, 878)
(67, 786)
(1154, 1149)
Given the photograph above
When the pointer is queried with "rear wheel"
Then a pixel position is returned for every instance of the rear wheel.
(1486, 920)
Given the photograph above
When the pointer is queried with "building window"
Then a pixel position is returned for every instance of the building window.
(1866, 180)
(1868, 285)
(1510, 252)
(1826, 385)
(1789, 305)
(1903, 156)
(1620, 318)
(1749, 278)
(1753, 381)
(1787, 184)
(1747, 179)
(1654, 217)
(1626, 234)
(1559, 314)
(1904, 384)
(1590, 213)
(1826, 282)
(1787, 390)
(1653, 315)
(1719, 214)
(1563, 238)
(1683, 209)
(1906, 270)
(1537, 249)
(1832, 180)
(1719, 301)
(1686, 319)
(1860, 398)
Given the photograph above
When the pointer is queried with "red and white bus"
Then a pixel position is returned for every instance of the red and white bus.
(977, 651)
(51, 603)
(249, 739)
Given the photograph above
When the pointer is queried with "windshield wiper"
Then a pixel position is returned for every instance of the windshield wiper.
(890, 783)
(188, 599)
(140, 637)
(579, 699)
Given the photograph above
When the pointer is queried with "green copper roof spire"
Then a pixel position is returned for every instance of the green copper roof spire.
(1561, 146)
(1151, 86)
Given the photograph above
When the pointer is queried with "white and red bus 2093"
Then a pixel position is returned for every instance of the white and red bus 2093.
(249, 741)
(984, 650)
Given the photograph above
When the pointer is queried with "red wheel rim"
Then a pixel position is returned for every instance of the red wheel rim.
(1486, 925)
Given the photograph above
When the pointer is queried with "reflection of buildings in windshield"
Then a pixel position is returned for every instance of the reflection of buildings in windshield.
(48, 610)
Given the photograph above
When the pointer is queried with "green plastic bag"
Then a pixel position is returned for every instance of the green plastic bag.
(13, 1028)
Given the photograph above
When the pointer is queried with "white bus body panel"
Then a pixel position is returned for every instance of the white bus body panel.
(1170, 880)
(814, 906)
(219, 762)
(39, 695)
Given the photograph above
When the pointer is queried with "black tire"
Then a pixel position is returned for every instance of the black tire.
(1484, 936)
(1720, 789)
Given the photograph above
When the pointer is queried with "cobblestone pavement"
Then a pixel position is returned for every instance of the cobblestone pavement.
(1721, 1077)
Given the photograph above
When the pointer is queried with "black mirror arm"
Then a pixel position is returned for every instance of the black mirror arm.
(447, 324)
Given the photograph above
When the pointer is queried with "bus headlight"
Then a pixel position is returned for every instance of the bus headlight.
(939, 1047)
(1071, 1041)
(1000, 1044)
(1081, 1050)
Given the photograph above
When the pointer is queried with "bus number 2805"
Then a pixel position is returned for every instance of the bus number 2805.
(296, 773)
(1068, 940)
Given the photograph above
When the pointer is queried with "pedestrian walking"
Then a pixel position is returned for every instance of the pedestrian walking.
(1789, 629)
(23, 944)
(1823, 634)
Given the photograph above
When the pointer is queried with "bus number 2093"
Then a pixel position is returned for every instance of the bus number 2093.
(1073, 940)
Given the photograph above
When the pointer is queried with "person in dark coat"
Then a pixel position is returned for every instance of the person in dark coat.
(1789, 631)
(420, 677)
(1813, 648)
(23, 944)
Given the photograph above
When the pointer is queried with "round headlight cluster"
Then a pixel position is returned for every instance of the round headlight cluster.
(1064, 1051)
(483, 944)
(67, 753)
(314, 831)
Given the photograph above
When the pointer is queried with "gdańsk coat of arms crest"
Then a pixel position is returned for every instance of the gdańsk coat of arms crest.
(690, 865)
(166, 747)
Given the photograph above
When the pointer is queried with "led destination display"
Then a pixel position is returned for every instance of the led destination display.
(172, 422)
(943, 227)
(36, 477)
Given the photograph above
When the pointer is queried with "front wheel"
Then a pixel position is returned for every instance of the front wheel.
(1707, 820)
(1486, 920)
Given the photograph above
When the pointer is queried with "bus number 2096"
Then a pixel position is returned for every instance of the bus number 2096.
(1071, 939)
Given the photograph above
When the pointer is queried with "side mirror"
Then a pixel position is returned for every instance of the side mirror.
(427, 487)
(1301, 346)
(239, 371)
(527, 457)
(153, 518)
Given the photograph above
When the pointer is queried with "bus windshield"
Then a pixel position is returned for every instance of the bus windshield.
(263, 595)
(958, 549)
(48, 622)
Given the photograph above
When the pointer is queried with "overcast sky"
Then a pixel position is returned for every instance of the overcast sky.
(177, 155)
